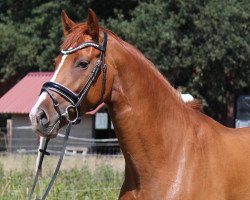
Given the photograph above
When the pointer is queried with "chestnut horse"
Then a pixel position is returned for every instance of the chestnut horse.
(172, 151)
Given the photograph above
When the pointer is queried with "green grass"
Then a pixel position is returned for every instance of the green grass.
(101, 183)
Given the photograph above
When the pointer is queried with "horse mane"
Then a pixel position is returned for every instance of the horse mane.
(194, 104)
(77, 36)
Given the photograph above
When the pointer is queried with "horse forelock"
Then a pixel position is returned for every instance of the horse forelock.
(75, 37)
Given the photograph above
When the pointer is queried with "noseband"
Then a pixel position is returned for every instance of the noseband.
(76, 99)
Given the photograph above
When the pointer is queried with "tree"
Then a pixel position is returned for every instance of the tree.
(31, 33)
(201, 46)
(30, 41)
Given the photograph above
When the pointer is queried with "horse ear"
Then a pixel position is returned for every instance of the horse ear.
(68, 24)
(93, 26)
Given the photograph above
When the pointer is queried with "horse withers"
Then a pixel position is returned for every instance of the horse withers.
(172, 151)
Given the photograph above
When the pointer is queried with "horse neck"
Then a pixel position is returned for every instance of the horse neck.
(144, 109)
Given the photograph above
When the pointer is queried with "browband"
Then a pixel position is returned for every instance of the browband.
(82, 46)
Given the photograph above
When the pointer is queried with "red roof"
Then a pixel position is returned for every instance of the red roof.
(22, 97)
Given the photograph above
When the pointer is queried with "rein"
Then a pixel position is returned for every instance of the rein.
(75, 100)
(43, 152)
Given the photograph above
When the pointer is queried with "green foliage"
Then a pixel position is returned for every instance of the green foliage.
(31, 31)
(31, 41)
(201, 46)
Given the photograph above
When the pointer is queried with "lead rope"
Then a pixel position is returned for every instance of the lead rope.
(43, 153)
(39, 168)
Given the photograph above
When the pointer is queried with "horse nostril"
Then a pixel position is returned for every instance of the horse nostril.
(42, 118)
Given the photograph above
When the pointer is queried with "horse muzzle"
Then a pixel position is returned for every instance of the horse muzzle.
(44, 125)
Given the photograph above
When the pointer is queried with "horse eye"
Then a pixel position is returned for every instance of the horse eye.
(83, 64)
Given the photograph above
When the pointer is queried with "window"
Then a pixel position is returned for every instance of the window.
(104, 129)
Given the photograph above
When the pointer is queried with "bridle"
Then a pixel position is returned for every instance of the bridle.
(75, 103)
(76, 99)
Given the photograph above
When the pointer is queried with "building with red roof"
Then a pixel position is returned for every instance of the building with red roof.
(22, 97)
(18, 101)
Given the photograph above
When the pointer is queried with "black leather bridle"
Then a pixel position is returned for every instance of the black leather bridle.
(75, 103)
(76, 99)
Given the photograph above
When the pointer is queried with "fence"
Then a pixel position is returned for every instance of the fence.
(86, 173)
(22, 140)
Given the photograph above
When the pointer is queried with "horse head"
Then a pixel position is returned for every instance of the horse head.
(81, 80)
